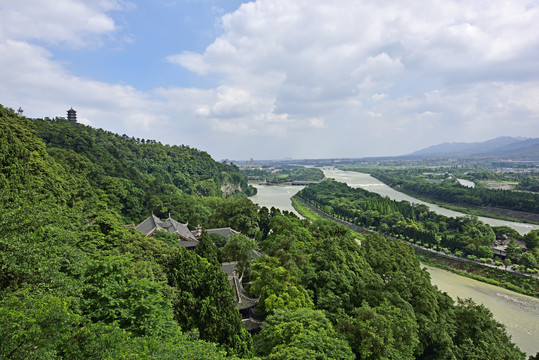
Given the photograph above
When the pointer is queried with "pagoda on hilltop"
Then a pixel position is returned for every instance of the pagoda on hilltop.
(72, 115)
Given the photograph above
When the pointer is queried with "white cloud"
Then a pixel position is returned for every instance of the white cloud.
(374, 114)
(361, 78)
(378, 97)
(317, 122)
(358, 54)
(74, 22)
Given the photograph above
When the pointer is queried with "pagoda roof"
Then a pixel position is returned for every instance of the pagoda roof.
(149, 225)
(152, 224)
(225, 231)
(243, 301)
(178, 228)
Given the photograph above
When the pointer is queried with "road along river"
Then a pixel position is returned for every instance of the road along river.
(519, 313)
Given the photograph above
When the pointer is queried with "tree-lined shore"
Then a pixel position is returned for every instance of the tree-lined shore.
(77, 283)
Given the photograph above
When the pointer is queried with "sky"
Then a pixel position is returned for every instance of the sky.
(273, 79)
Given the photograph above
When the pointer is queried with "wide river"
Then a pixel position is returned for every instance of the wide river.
(519, 313)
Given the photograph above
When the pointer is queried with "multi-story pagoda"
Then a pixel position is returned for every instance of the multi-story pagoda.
(72, 115)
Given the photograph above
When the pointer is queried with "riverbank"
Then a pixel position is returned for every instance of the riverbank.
(517, 282)
(518, 313)
(484, 211)
(365, 181)
(490, 275)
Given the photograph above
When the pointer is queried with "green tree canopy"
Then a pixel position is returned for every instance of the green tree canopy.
(304, 332)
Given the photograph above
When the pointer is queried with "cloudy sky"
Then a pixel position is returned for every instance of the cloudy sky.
(270, 79)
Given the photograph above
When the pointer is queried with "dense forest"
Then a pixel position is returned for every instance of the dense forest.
(76, 283)
(447, 189)
(282, 174)
(464, 236)
(139, 176)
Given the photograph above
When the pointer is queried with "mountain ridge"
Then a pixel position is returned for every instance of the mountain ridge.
(504, 146)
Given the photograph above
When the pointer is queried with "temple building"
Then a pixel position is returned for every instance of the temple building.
(152, 224)
(245, 305)
(189, 240)
(71, 115)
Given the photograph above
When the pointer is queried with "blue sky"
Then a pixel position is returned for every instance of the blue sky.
(270, 79)
(148, 32)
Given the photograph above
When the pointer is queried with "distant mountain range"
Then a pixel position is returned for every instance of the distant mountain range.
(515, 148)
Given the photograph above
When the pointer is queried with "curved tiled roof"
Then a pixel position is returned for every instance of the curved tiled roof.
(151, 224)
(240, 295)
(226, 231)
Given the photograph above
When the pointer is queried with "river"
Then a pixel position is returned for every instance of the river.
(367, 182)
(519, 313)
(466, 183)
(277, 196)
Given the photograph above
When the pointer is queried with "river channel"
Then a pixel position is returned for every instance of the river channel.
(367, 182)
(277, 196)
(519, 313)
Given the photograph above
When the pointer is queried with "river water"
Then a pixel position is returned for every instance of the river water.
(519, 313)
(277, 196)
(367, 182)
(466, 183)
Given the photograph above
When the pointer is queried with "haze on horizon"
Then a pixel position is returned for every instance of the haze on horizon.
(272, 78)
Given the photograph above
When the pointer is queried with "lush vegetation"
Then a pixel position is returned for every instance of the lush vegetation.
(444, 187)
(137, 176)
(318, 287)
(529, 183)
(282, 174)
(304, 210)
(465, 236)
(75, 283)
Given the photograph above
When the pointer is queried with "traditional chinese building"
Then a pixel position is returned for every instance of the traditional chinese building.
(72, 115)
(152, 224)
(189, 239)
(244, 303)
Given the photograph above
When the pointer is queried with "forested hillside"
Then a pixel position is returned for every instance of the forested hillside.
(140, 176)
(75, 283)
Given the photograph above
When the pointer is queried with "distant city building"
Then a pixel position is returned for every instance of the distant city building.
(72, 115)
